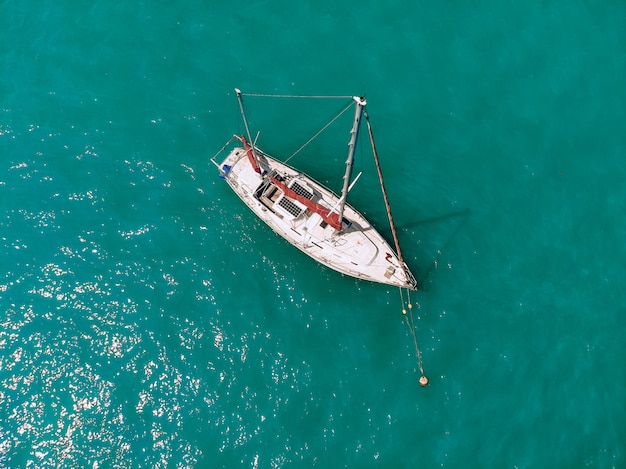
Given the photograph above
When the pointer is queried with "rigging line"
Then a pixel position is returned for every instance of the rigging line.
(319, 132)
(408, 274)
(224, 147)
(260, 95)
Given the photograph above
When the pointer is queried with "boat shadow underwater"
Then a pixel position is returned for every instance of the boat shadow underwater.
(434, 235)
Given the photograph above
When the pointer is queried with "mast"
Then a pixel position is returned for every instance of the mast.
(254, 159)
(358, 112)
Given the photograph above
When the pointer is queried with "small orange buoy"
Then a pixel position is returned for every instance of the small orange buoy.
(423, 381)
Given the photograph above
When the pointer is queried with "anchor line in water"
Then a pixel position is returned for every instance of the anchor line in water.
(409, 321)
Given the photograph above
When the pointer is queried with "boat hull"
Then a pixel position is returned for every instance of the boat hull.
(358, 250)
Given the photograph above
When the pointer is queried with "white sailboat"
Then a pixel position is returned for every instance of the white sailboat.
(310, 216)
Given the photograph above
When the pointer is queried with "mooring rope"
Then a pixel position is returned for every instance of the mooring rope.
(410, 323)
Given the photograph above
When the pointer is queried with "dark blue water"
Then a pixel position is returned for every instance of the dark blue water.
(147, 319)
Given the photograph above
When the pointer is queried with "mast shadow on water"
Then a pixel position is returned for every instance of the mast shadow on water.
(450, 225)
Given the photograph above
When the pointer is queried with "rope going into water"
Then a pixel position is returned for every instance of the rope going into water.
(409, 321)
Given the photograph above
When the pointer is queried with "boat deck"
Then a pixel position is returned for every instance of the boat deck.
(358, 250)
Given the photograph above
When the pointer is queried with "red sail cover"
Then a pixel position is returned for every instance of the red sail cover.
(250, 155)
(329, 217)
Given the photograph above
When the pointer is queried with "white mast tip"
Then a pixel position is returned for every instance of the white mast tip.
(238, 91)
(360, 100)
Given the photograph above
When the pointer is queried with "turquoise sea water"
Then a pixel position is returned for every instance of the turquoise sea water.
(147, 319)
